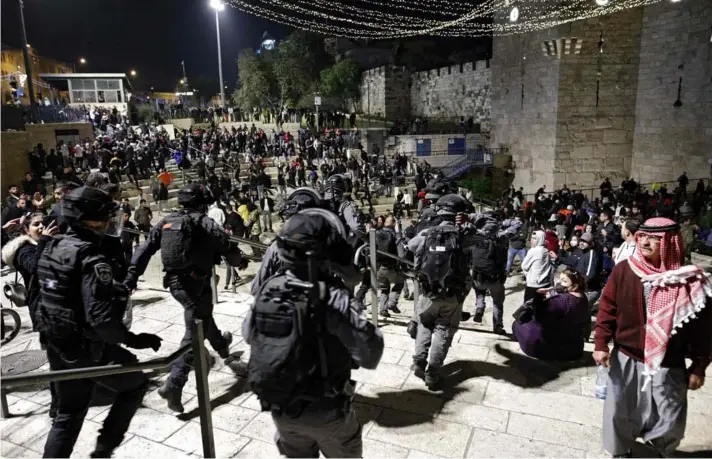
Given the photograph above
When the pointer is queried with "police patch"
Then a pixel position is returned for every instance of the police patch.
(104, 273)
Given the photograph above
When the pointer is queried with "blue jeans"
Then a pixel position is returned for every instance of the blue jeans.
(521, 253)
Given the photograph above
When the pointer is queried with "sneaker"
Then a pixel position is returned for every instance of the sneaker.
(384, 313)
(225, 352)
(478, 316)
(628, 453)
(418, 368)
(499, 330)
(101, 452)
(412, 329)
(395, 309)
(465, 316)
(172, 396)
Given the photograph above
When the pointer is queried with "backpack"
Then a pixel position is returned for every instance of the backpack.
(442, 260)
(485, 255)
(386, 242)
(286, 350)
(177, 235)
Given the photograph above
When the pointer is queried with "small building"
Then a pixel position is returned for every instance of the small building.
(101, 90)
(14, 85)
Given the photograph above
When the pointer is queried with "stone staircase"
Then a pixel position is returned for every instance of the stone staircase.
(381, 205)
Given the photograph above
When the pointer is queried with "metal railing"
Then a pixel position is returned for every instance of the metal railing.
(200, 362)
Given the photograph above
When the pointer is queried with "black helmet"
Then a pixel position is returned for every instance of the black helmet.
(195, 196)
(452, 204)
(87, 203)
(300, 199)
(687, 210)
(437, 188)
(318, 231)
(335, 186)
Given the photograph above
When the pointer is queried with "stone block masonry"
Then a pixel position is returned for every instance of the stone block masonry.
(611, 109)
(675, 45)
(452, 92)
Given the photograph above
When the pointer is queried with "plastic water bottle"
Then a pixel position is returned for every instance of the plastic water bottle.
(601, 382)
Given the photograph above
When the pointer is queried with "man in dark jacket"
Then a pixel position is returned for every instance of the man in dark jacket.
(143, 216)
(517, 244)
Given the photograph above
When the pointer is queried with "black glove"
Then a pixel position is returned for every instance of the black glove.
(144, 341)
(130, 283)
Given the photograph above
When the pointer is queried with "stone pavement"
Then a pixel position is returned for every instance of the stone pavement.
(498, 402)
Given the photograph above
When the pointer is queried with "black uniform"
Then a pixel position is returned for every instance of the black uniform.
(189, 284)
(80, 316)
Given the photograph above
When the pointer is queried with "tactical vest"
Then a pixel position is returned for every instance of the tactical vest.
(60, 312)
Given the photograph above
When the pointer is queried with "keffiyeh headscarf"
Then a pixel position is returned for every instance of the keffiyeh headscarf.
(678, 293)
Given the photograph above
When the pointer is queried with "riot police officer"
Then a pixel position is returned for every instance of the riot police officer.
(442, 266)
(80, 316)
(390, 278)
(191, 244)
(334, 191)
(310, 393)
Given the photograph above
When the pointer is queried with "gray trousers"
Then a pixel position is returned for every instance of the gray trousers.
(437, 325)
(333, 432)
(658, 415)
(390, 285)
(496, 289)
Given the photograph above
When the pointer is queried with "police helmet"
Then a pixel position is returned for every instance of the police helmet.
(88, 204)
(451, 204)
(318, 231)
(300, 199)
(195, 196)
(687, 210)
(437, 188)
(336, 186)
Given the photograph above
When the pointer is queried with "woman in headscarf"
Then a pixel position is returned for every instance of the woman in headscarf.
(654, 311)
(537, 266)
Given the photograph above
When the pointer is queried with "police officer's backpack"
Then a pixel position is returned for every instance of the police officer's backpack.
(485, 254)
(285, 343)
(442, 260)
(177, 246)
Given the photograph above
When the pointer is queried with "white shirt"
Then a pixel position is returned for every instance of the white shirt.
(623, 252)
(217, 214)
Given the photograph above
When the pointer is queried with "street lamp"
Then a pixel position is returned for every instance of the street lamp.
(82, 60)
(133, 73)
(182, 81)
(218, 6)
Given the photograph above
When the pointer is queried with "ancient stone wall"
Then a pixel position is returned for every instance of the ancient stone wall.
(373, 92)
(597, 100)
(452, 92)
(672, 138)
(524, 106)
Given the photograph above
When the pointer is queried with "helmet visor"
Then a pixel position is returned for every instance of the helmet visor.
(115, 225)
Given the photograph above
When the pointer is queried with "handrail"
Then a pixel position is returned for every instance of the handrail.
(43, 377)
(201, 376)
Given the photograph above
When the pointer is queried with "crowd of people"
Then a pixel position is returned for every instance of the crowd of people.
(623, 258)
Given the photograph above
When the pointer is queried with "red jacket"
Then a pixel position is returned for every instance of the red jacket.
(551, 240)
(621, 318)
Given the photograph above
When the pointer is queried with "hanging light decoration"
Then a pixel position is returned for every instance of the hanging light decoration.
(390, 19)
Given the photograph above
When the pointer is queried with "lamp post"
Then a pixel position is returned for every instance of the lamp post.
(28, 64)
(218, 6)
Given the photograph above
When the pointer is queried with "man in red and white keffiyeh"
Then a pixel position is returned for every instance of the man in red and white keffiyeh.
(654, 311)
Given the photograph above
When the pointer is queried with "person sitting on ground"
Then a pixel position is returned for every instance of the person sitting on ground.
(559, 322)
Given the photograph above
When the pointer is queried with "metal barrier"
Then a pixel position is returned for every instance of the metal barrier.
(200, 362)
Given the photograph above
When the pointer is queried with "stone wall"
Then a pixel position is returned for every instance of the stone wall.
(46, 134)
(452, 92)
(13, 161)
(597, 100)
(671, 140)
(373, 92)
(524, 106)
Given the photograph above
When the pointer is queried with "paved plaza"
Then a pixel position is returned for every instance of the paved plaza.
(496, 402)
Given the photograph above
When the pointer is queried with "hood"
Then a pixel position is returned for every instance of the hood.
(539, 238)
(10, 249)
(487, 226)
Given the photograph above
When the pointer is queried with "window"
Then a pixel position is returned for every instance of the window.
(83, 97)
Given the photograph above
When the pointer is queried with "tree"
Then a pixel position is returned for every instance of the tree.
(342, 83)
(298, 61)
(257, 85)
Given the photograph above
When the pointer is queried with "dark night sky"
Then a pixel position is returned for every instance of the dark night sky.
(150, 36)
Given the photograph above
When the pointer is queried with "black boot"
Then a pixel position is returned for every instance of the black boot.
(412, 329)
(418, 368)
(225, 352)
(172, 396)
(478, 316)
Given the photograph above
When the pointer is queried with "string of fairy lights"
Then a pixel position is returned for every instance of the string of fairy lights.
(389, 19)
